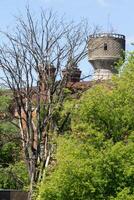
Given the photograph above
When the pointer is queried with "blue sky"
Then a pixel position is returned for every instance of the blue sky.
(118, 14)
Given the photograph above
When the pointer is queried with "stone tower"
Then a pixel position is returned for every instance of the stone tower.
(104, 50)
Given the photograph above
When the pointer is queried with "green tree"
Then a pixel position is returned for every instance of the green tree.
(85, 172)
(109, 107)
(13, 173)
(97, 160)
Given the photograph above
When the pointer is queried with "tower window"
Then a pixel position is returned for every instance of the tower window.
(105, 46)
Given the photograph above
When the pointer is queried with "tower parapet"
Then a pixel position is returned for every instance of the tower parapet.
(104, 50)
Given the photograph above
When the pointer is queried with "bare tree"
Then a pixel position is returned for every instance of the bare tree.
(32, 62)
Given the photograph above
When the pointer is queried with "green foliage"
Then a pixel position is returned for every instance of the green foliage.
(5, 101)
(65, 115)
(124, 194)
(13, 172)
(62, 115)
(108, 107)
(97, 160)
(14, 176)
(85, 172)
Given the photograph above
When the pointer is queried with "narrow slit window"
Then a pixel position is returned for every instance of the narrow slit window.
(105, 46)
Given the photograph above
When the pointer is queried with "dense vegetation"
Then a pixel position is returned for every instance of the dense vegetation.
(95, 157)
(94, 154)
(13, 173)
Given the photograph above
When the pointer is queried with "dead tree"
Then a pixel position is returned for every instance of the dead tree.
(32, 61)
